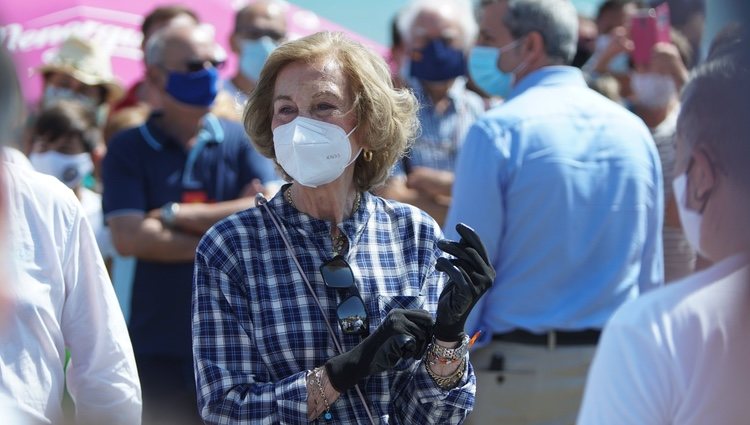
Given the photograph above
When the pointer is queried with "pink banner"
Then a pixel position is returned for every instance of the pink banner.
(32, 29)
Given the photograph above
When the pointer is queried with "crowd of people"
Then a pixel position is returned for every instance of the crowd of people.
(477, 229)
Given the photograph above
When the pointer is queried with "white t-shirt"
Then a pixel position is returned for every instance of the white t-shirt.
(63, 299)
(678, 355)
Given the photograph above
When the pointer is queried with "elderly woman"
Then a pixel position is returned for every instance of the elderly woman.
(313, 304)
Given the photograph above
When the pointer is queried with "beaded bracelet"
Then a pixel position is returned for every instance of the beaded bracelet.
(318, 373)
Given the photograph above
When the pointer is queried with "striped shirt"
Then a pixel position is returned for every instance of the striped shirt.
(442, 133)
(257, 330)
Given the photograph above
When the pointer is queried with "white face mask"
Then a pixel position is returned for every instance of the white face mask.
(313, 152)
(69, 169)
(652, 90)
(53, 94)
(691, 220)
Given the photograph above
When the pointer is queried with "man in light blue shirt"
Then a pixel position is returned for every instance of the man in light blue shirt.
(565, 189)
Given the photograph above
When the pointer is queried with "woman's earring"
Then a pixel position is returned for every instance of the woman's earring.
(367, 155)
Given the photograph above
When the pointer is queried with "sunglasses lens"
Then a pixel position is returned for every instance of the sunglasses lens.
(200, 65)
(352, 316)
(337, 273)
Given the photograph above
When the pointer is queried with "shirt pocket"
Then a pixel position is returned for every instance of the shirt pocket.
(382, 304)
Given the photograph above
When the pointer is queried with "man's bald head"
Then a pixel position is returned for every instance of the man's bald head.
(261, 18)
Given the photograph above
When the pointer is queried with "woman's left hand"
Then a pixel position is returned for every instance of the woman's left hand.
(470, 275)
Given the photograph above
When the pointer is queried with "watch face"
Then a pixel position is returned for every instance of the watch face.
(169, 213)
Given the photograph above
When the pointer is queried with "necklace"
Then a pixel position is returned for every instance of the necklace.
(338, 238)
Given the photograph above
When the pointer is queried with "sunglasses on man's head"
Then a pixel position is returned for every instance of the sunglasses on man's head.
(195, 65)
(351, 312)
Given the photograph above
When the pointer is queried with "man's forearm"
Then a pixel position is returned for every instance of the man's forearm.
(196, 219)
(152, 241)
(433, 206)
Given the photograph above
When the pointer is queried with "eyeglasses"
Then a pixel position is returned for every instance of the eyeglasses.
(195, 65)
(351, 312)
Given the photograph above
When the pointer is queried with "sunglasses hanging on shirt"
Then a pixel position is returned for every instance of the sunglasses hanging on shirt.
(351, 312)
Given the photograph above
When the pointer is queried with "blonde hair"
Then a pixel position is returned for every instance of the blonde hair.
(386, 117)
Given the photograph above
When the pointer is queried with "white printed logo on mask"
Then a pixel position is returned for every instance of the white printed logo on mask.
(313, 152)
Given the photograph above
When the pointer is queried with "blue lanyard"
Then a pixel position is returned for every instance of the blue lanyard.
(204, 137)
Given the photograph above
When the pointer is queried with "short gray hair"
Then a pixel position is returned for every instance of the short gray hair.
(156, 45)
(715, 103)
(462, 13)
(154, 51)
(555, 20)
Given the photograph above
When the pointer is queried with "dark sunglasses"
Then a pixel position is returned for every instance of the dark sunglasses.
(351, 312)
(196, 65)
(256, 33)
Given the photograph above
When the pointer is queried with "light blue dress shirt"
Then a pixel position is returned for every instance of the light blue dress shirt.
(565, 189)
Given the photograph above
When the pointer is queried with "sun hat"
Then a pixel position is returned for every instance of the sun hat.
(87, 63)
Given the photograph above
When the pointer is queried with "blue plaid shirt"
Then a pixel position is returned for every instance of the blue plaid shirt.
(257, 330)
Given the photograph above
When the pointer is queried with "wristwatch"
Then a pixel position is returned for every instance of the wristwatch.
(451, 353)
(169, 214)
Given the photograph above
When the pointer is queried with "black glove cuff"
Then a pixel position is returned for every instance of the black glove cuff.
(340, 374)
(449, 333)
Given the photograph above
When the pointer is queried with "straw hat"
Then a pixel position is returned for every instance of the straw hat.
(85, 62)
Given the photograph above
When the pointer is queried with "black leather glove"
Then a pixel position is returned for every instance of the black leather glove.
(470, 275)
(403, 334)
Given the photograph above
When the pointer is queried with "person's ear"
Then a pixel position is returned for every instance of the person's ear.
(701, 180)
(532, 47)
(156, 76)
(235, 43)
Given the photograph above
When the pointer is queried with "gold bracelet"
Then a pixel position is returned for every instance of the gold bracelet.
(450, 381)
(318, 373)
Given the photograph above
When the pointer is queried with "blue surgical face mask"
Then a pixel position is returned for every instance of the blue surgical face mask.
(484, 72)
(438, 61)
(194, 88)
(253, 55)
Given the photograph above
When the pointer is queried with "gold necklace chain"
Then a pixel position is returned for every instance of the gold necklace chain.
(290, 201)
(339, 240)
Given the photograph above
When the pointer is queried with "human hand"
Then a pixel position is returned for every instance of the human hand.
(666, 59)
(403, 334)
(619, 43)
(470, 276)
(613, 57)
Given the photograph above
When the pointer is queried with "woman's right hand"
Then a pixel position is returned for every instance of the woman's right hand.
(403, 334)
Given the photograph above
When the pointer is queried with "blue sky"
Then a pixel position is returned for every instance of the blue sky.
(372, 17)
